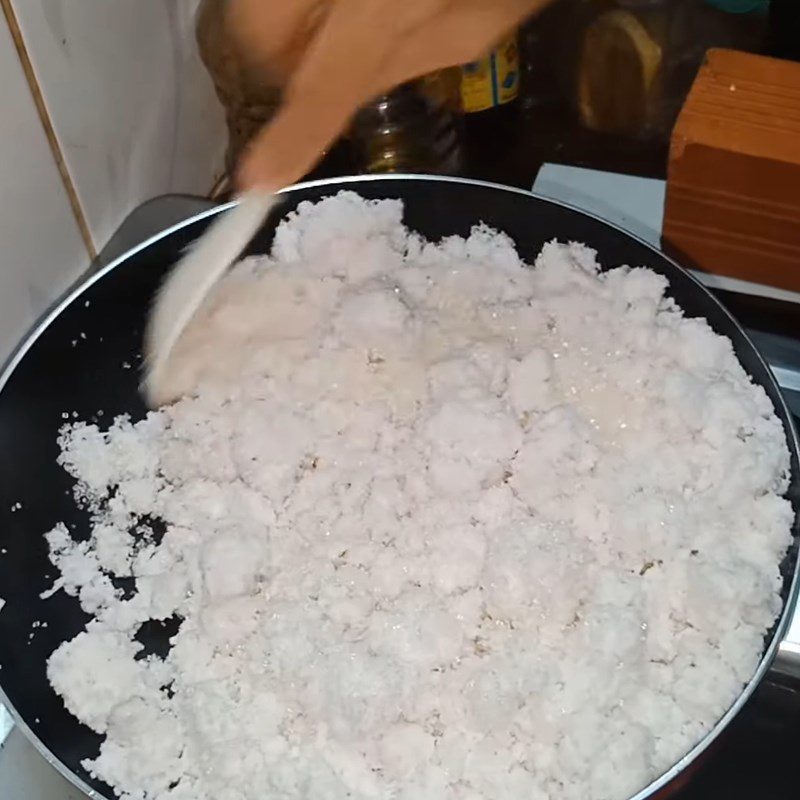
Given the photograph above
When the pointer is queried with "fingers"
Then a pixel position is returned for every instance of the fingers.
(336, 75)
(361, 49)
(290, 146)
(273, 34)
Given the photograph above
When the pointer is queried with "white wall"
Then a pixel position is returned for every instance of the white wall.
(41, 250)
(134, 114)
(131, 104)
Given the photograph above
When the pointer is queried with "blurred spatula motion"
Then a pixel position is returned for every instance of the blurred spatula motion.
(189, 283)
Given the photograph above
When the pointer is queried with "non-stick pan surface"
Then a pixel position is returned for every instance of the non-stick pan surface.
(84, 361)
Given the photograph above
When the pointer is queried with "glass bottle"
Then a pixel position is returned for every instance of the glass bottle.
(620, 67)
(415, 128)
(490, 89)
(543, 41)
(637, 59)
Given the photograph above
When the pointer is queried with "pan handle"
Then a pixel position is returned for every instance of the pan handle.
(787, 660)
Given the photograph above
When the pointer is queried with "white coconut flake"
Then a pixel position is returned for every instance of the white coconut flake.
(429, 523)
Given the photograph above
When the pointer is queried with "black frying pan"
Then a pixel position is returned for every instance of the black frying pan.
(75, 362)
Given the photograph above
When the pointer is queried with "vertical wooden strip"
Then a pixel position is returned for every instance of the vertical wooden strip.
(222, 188)
(47, 124)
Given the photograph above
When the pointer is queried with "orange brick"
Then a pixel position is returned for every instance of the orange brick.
(733, 189)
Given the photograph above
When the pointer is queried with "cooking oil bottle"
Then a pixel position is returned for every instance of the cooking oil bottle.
(490, 90)
(415, 128)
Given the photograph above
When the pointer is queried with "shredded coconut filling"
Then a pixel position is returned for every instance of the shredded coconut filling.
(429, 523)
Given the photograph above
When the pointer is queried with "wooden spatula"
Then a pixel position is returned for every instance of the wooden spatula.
(189, 283)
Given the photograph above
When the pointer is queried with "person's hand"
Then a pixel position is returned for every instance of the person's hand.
(333, 56)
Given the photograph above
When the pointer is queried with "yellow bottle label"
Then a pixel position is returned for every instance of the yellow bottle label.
(491, 81)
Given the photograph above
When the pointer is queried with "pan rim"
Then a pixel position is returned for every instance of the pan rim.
(790, 606)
